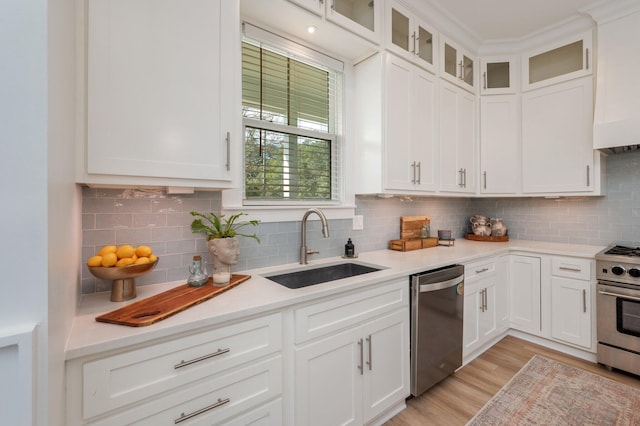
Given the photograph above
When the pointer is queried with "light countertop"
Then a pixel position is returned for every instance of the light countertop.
(260, 295)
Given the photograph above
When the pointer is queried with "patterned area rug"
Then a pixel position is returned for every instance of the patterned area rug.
(547, 392)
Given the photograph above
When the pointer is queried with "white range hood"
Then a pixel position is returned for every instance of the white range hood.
(617, 103)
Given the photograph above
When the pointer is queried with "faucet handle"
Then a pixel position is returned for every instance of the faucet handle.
(312, 251)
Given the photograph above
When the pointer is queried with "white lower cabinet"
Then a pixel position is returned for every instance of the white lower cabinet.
(571, 304)
(355, 375)
(210, 377)
(524, 291)
(486, 303)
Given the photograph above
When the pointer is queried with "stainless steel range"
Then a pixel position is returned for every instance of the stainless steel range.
(618, 307)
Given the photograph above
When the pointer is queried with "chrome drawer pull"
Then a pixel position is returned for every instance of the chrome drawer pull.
(566, 268)
(184, 416)
(370, 362)
(184, 363)
(479, 271)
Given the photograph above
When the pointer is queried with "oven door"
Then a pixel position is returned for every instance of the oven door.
(618, 310)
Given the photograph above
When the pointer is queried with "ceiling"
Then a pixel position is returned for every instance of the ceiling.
(509, 19)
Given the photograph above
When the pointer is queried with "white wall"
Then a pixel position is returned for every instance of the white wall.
(23, 181)
(39, 219)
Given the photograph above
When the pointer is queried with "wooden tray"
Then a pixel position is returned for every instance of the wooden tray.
(475, 237)
(155, 308)
(412, 244)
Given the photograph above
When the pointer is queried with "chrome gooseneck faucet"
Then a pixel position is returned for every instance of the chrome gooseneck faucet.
(303, 238)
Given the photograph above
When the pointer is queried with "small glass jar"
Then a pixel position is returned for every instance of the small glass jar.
(222, 275)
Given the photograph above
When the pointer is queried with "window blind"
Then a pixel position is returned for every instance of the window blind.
(289, 115)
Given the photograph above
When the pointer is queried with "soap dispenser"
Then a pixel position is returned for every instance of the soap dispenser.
(349, 249)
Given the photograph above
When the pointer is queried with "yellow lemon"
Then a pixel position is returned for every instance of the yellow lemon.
(125, 261)
(153, 258)
(143, 251)
(141, 260)
(107, 249)
(109, 259)
(94, 261)
(125, 250)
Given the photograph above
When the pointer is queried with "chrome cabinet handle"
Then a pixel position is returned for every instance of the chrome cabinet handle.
(588, 176)
(461, 77)
(370, 362)
(184, 363)
(413, 39)
(419, 172)
(413, 172)
(228, 140)
(485, 299)
(482, 300)
(587, 57)
(479, 271)
(217, 404)
(484, 175)
(464, 174)
(361, 366)
(484, 75)
(584, 300)
(460, 184)
(567, 268)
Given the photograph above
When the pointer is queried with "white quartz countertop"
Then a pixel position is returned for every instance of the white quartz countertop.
(260, 295)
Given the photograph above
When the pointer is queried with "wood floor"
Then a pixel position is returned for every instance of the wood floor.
(455, 400)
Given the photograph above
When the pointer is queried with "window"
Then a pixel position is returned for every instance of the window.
(290, 110)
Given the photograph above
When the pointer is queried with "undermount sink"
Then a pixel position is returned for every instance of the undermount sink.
(306, 277)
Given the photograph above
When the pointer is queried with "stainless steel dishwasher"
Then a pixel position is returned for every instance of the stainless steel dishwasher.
(436, 325)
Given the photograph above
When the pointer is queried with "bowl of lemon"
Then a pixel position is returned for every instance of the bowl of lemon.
(122, 264)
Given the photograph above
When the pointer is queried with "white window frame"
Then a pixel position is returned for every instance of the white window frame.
(279, 211)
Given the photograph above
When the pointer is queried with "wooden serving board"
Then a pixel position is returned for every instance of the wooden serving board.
(155, 308)
(494, 239)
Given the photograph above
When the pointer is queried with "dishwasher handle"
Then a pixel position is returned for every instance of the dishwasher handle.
(442, 284)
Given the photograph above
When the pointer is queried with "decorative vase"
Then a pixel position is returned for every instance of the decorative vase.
(224, 253)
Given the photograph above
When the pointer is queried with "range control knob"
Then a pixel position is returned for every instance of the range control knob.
(634, 272)
(618, 270)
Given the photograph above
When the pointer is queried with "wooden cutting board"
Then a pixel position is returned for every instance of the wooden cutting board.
(155, 308)
(411, 226)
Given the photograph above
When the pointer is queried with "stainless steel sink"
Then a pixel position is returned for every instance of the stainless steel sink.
(306, 277)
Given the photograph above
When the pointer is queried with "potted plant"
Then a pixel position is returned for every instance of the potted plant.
(222, 240)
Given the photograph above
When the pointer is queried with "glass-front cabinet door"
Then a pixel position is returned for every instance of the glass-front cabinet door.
(565, 60)
(498, 75)
(408, 37)
(458, 66)
(363, 17)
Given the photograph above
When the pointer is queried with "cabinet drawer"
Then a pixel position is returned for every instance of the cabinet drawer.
(209, 401)
(122, 379)
(571, 267)
(331, 315)
(479, 269)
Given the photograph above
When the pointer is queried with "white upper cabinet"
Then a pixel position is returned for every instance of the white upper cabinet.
(157, 112)
(557, 144)
(498, 76)
(361, 17)
(409, 37)
(564, 60)
(396, 122)
(500, 144)
(458, 140)
(457, 65)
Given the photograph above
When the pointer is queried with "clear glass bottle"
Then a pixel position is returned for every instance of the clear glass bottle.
(197, 273)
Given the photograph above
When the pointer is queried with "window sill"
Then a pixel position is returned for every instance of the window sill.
(290, 213)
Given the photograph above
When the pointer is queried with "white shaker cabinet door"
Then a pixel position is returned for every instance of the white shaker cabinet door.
(557, 142)
(156, 106)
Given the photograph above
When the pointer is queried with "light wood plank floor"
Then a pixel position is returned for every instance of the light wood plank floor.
(455, 400)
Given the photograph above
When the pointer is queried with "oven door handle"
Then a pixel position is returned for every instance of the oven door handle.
(624, 296)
